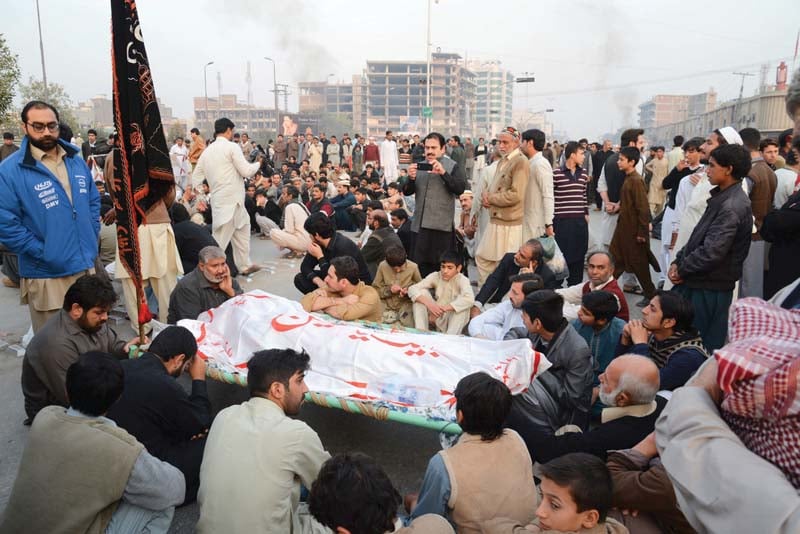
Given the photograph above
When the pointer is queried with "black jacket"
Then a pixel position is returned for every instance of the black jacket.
(339, 245)
(374, 250)
(782, 228)
(191, 238)
(156, 410)
(713, 256)
(622, 433)
(498, 284)
(406, 237)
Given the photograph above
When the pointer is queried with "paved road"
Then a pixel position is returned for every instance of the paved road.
(401, 449)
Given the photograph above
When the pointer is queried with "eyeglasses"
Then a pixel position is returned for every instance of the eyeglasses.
(38, 127)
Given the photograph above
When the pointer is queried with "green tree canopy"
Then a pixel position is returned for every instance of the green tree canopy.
(56, 96)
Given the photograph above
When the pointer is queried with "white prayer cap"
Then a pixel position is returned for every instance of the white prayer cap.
(731, 135)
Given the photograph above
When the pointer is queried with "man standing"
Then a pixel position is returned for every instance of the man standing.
(179, 157)
(49, 213)
(457, 152)
(89, 146)
(223, 165)
(436, 192)
(469, 154)
(198, 145)
(598, 163)
(538, 218)
(371, 154)
(257, 456)
(505, 200)
(656, 194)
(280, 148)
(707, 268)
(388, 158)
(676, 154)
(570, 210)
(761, 184)
(8, 146)
(293, 148)
(610, 184)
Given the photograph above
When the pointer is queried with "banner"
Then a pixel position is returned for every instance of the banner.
(414, 372)
(142, 170)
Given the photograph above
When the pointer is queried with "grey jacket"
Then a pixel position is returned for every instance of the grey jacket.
(713, 256)
(565, 389)
(435, 196)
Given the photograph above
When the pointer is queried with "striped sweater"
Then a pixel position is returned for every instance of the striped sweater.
(569, 192)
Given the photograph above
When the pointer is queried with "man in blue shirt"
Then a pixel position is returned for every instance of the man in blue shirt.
(49, 212)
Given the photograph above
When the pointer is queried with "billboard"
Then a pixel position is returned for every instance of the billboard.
(298, 123)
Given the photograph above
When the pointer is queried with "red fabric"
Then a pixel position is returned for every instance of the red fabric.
(613, 287)
(759, 370)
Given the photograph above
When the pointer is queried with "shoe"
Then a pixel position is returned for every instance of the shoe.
(250, 270)
(627, 288)
(643, 303)
(8, 282)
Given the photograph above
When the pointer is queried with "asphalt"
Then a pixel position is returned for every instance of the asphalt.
(402, 450)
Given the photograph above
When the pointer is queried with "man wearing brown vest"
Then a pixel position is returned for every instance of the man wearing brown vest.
(82, 473)
(488, 473)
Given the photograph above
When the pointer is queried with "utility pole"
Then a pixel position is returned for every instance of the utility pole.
(205, 92)
(284, 90)
(741, 94)
(428, 70)
(275, 93)
(41, 52)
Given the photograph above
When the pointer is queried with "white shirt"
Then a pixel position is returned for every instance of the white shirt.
(495, 322)
(787, 178)
(573, 297)
(222, 164)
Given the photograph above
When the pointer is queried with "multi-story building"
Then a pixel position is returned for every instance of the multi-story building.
(494, 94)
(98, 113)
(321, 97)
(765, 112)
(666, 109)
(525, 120)
(395, 95)
(251, 119)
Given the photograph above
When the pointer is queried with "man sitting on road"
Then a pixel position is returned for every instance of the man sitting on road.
(326, 244)
(528, 257)
(345, 296)
(496, 322)
(628, 388)
(208, 286)
(157, 411)
(381, 238)
(78, 327)
(601, 276)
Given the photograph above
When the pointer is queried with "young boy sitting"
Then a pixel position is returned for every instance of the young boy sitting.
(576, 493)
(488, 473)
(443, 299)
(597, 324)
(395, 275)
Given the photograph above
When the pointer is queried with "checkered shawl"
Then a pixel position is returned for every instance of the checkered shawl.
(759, 373)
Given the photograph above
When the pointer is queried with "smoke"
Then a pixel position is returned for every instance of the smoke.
(294, 29)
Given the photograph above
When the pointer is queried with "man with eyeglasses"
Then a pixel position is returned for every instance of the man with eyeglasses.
(49, 212)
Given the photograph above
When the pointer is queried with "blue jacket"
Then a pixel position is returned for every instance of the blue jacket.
(51, 236)
(603, 344)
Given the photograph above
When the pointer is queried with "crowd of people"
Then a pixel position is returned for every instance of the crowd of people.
(493, 240)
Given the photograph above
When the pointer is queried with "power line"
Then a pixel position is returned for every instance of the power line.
(601, 89)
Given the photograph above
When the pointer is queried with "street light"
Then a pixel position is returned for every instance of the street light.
(41, 51)
(205, 85)
(428, 72)
(275, 91)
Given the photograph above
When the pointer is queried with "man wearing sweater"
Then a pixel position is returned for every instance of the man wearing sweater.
(82, 473)
(571, 211)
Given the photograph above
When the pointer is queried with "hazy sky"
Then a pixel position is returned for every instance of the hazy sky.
(594, 62)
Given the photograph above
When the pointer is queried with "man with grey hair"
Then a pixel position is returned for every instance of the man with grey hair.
(206, 287)
(628, 388)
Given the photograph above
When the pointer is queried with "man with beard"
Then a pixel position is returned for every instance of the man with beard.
(78, 327)
(208, 286)
(158, 412)
(436, 191)
(258, 456)
(49, 213)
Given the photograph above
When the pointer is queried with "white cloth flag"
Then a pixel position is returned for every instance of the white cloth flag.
(417, 372)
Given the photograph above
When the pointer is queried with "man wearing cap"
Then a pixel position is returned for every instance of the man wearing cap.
(505, 200)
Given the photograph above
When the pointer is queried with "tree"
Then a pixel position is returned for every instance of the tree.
(9, 78)
(335, 124)
(178, 129)
(56, 96)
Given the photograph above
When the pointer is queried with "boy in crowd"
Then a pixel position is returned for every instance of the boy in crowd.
(630, 245)
(598, 325)
(395, 275)
(488, 473)
(576, 494)
(447, 308)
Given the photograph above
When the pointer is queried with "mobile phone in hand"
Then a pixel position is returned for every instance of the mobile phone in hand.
(425, 166)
